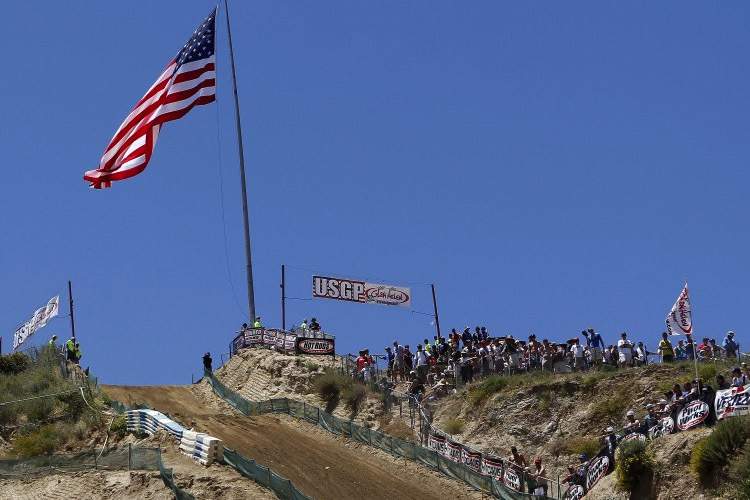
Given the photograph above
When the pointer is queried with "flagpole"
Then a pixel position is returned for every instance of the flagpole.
(250, 291)
(72, 321)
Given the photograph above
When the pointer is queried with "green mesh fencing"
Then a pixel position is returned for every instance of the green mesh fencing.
(390, 444)
(113, 458)
(168, 477)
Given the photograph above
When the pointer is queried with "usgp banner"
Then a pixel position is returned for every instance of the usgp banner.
(40, 318)
(359, 291)
(680, 320)
(493, 467)
(437, 443)
(454, 450)
(732, 402)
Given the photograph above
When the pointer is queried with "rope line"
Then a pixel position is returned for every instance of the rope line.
(38, 397)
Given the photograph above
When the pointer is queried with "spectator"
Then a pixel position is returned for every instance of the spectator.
(715, 349)
(398, 361)
(257, 323)
(577, 350)
(244, 327)
(689, 392)
(704, 350)
(721, 383)
(739, 379)
(70, 349)
(363, 366)
(511, 349)
(390, 371)
(540, 476)
(485, 335)
(651, 419)
(610, 440)
(664, 409)
(625, 348)
(207, 362)
(303, 326)
(420, 358)
(416, 387)
(52, 341)
(689, 347)
(314, 325)
(632, 425)
(730, 346)
(466, 337)
(78, 354)
(596, 344)
(454, 337)
(680, 351)
(427, 347)
(746, 370)
(665, 349)
(517, 460)
(642, 354)
(678, 398)
(408, 359)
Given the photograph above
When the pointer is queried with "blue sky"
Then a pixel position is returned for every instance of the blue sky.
(549, 166)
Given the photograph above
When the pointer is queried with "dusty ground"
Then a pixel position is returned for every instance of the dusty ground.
(318, 463)
(212, 482)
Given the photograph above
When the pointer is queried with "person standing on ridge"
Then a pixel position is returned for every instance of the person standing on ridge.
(665, 348)
(70, 349)
(314, 325)
(78, 354)
(730, 346)
(208, 362)
(257, 323)
(303, 326)
(52, 341)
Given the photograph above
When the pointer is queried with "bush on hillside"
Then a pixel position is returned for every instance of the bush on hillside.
(119, 426)
(454, 426)
(581, 445)
(635, 465)
(487, 388)
(715, 451)
(311, 366)
(13, 364)
(46, 440)
(610, 410)
(328, 385)
(353, 397)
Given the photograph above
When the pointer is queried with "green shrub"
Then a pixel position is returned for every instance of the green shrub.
(328, 385)
(611, 409)
(487, 388)
(46, 440)
(743, 490)
(312, 367)
(13, 364)
(454, 426)
(119, 426)
(38, 410)
(635, 464)
(353, 397)
(708, 372)
(73, 405)
(715, 451)
(740, 469)
(581, 445)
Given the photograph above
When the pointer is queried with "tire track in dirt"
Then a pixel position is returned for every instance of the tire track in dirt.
(319, 466)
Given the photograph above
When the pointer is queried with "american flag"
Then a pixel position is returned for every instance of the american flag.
(189, 80)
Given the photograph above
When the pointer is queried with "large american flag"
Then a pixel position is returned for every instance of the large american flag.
(189, 80)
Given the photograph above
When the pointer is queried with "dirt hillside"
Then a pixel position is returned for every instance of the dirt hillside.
(316, 461)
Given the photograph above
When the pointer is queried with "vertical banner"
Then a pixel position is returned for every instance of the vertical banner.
(680, 319)
(40, 318)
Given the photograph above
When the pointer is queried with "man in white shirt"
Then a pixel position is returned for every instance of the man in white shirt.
(625, 348)
(420, 359)
(739, 379)
(577, 349)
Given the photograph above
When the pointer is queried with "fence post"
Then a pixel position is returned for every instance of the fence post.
(95, 464)
(130, 456)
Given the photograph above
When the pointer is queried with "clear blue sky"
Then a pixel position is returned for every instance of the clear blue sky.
(549, 166)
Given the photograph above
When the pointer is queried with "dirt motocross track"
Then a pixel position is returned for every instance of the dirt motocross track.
(317, 462)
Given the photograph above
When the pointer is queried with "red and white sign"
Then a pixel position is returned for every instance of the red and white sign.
(680, 319)
(692, 415)
(454, 451)
(575, 492)
(598, 469)
(360, 291)
(732, 402)
(511, 479)
(437, 444)
(492, 467)
(634, 435)
(471, 459)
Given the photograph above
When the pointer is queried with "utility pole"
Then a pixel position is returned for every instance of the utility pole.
(283, 299)
(72, 321)
(434, 304)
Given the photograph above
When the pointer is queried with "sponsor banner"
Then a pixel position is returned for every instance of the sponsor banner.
(437, 444)
(575, 492)
(680, 320)
(493, 467)
(692, 415)
(598, 469)
(314, 346)
(732, 402)
(290, 343)
(269, 338)
(471, 459)
(253, 337)
(454, 451)
(40, 318)
(280, 340)
(238, 343)
(512, 479)
(359, 291)
(663, 427)
(635, 435)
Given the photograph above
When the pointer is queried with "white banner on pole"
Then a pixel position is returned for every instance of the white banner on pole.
(359, 291)
(680, 320)
(40, 318)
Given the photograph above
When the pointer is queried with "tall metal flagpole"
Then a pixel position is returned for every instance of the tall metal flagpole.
(250, 291)
(72, 321)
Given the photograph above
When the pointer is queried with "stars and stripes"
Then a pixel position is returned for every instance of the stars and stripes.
(189, 80)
